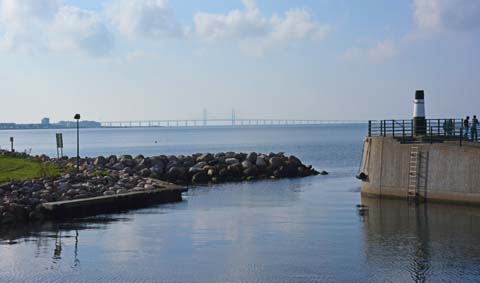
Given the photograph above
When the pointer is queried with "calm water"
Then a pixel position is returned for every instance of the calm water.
(302, 230)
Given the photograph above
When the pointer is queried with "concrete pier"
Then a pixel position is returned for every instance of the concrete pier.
(449, 171)
(114, 203)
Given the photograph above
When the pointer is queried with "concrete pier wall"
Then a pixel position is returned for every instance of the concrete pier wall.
(448, 172)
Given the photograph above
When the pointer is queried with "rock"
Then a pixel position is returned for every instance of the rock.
(246, 164)
(177, 173)
(36, 216)
(211, 172)
(229, 155)
(149, 187)
(323, 173)
(231, 161)
(126, 160)
(108, 193)
(18, 211)
(195, 170)
(294, 161)
(205, 157)
(252, 157)
(121, 191)
(250, 171)
(118, 166)
(275, 162)
(145, 172)
(8, 218)
(100, 161)
(200, 178)
(157, 168)
(260, 162)
(200, 164)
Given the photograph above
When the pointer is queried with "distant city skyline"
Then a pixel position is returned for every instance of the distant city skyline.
(117, 60)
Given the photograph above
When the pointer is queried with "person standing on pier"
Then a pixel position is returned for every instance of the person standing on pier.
(466, 126)
(473, 130)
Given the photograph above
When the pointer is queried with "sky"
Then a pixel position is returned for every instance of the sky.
(117, 60)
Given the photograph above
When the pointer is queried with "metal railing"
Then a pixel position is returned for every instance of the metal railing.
(433, 130)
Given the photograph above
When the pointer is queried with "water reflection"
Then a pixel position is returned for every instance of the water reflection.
(427, 241)
(52, 237)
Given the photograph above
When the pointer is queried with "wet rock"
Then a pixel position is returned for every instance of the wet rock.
(200, 178)
(179, 173)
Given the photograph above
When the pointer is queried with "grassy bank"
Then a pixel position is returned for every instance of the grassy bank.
(12, 168)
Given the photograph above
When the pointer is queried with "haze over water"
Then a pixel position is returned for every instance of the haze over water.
(298, 230)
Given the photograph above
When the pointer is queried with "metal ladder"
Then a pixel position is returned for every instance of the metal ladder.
(414, 173)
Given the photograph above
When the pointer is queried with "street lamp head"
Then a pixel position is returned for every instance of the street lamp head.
(77, 117)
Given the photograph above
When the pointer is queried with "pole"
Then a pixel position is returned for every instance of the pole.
(78, 145)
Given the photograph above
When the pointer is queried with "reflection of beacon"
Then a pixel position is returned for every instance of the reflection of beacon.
(419, 122)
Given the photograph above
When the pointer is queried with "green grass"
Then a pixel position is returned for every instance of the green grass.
(12, 168)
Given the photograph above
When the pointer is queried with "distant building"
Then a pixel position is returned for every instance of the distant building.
(45, 121)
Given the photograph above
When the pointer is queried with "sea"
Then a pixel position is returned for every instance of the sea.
(292, 230)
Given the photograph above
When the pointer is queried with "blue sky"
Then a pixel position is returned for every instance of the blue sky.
(159, 59)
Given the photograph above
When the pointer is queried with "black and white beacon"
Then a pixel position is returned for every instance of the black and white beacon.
(419, 121)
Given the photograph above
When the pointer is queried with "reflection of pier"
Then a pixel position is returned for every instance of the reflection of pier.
(221, 122)
(408, 242)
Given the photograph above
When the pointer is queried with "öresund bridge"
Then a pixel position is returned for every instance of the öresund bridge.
(222, 122)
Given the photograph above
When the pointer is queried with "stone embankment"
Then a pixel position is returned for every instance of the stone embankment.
(22, 201)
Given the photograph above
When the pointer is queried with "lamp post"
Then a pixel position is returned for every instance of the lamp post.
(77, 117)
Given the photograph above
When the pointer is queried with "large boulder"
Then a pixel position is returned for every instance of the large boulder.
(126, 160)
(200, 164)
(145, 172)
(294, 161)
(178, 173)
(231, 161)
(100, 161)
(205, 157)
(260, 162)
(247, 164)
(252, 157)
(275, 162)
(200, 178)
(158, 168)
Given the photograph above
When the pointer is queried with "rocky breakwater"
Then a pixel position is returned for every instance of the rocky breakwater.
(203, 168)
(21, 201)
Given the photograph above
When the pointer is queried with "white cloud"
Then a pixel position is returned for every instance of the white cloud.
(381, 52)
(76, 29)
(31, 25)
(144, 18)
(22, 22)
(441, 15)
(255, 32)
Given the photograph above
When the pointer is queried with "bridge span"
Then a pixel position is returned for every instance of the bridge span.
(221, 122)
